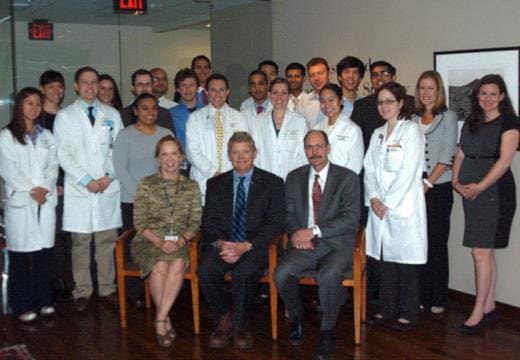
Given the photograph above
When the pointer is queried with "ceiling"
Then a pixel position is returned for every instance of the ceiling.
(162, 15)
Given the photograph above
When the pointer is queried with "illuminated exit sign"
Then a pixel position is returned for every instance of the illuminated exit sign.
(41, 29)
(130, 6)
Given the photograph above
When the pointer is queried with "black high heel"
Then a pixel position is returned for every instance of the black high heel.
(472, 330)
(491, 316)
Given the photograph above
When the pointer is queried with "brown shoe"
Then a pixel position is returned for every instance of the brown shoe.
(111, 298)
(242, 339)
(222, 334)
(81, 304)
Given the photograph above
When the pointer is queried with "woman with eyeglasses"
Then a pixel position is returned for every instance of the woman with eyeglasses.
(439, 126)
(396, 228)
(482, 176)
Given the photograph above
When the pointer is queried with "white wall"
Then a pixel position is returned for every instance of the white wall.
(406, 33)
(240, 39)
(77, 45)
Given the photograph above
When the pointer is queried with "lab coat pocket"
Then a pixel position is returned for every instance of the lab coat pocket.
(18, 199)
(393, 158)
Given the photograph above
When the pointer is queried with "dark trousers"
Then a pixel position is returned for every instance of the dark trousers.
(329, 270)
(399, 291)
(134, 286)
(435, 274)
(245, 274)
(62, 274)
(30, 280)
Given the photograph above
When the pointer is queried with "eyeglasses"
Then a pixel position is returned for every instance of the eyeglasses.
(385, 102)
(384, 73)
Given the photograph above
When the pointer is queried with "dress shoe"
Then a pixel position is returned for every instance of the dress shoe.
(377, 319)
(242, 339)
(296, 336)
(81, 304)
(326, 346)
(437, 310)
(111, 298)
(221, 335)
(28, 316)
(403, 325)
(472, 330)
(47, 310)
(491, 316)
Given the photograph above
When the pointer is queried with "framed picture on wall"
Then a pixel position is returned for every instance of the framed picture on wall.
(461, 69)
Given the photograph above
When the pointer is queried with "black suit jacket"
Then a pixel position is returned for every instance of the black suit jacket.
(265, 209)
(164, 118)
(365, 114)
(338, 218)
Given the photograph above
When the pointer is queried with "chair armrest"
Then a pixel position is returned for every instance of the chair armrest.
(194, 251)
(120, 248)
(272, 251)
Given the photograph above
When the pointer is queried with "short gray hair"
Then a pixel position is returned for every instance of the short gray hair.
(240, 137)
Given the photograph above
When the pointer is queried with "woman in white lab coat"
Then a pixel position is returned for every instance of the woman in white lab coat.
(29, 168)
(396, 229)
(345, 136)
(279, 133)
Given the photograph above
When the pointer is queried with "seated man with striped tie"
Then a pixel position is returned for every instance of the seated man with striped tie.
(245, 209)
(322, 221)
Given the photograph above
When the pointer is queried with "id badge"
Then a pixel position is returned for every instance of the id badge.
(171, 238)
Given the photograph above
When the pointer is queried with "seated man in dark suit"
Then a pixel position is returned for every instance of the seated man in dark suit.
(322, 222)
(245, 208)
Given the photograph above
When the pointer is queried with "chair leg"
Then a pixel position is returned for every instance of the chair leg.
(195, 303)
(364, 296)
(121, 290)
(147, 294)
(273, 297)
(357, 313)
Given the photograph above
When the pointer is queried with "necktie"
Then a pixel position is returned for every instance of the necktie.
(219, 129)
(259, 109)
(91, 115)
(316, 197)
(240, 213)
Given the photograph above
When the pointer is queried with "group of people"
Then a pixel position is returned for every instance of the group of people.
(289, 160)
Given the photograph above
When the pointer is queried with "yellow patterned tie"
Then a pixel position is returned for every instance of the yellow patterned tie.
(220, 138)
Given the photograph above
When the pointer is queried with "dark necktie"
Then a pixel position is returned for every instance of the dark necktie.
(259, 109)
(91, 115)
(316, 197)
(240, 213)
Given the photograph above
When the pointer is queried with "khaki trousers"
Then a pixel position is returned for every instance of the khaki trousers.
(104, 242)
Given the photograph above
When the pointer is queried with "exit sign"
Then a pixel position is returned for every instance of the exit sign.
(41, 29)
(130, 6)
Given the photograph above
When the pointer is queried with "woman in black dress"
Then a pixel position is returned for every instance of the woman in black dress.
(482, 176)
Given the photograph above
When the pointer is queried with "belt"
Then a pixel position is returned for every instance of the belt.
(476, 156)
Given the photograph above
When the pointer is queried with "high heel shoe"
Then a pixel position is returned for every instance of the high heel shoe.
(172, 334)
(491, 316)
(472, 330)
(165, 340)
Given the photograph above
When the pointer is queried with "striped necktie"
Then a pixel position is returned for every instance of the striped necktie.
(219, 129)
(316, 197)
(240, 213)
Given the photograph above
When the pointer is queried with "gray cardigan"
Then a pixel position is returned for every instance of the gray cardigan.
(441, 143)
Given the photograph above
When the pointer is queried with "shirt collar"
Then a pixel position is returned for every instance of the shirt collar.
(248, 175)
(85, 105)
(323, 173)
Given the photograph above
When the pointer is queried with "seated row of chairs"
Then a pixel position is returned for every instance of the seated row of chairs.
(355, 279)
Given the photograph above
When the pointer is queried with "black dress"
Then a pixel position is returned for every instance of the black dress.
(488, 218)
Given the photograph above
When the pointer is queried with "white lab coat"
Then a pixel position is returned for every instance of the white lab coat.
(283, 153)
(346, 143)
(28, 226)
(248, 109)
(201, 142)
(393, 173)
(311, 111)
(84, 150)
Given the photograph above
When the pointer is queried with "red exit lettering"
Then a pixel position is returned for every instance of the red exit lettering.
(40, 31)
(131, 4)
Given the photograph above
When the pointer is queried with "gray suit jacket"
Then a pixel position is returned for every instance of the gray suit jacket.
(338, 218)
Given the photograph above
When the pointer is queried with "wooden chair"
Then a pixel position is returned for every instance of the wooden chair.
(268, 278)
(124, 270)
(356, 279)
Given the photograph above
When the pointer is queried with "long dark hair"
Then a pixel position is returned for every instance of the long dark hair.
(505, 107)
(17, 123)
(116, 100)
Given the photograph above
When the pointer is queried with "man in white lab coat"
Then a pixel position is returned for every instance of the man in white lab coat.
(209, 129)
(319, 75)
(259, 102)
(85, 132)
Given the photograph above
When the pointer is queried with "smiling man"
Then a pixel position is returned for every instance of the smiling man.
(160, 88)
(209, 129)
(244, 210)
(258, 102)
(318, 71)
(350, 72)
(322, 221)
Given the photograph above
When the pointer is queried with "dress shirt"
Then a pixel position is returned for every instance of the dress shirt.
(166, 103)
(322, 181)
(348, 105)
(297, 103)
